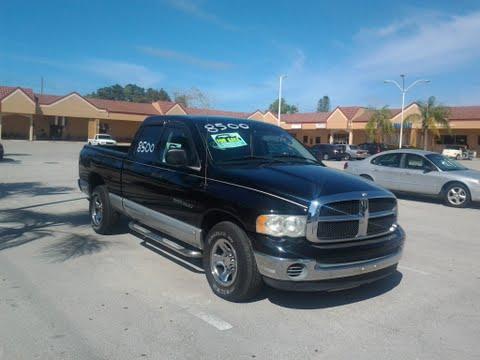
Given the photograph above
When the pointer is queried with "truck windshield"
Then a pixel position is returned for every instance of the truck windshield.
(232, 141)
(444, 163)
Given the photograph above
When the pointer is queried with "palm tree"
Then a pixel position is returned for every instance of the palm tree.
(379, 124)
(433, 116)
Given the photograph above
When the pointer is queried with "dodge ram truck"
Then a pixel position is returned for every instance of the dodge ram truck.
(247, 198)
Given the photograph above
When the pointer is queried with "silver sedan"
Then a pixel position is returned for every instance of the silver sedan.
(421, 172)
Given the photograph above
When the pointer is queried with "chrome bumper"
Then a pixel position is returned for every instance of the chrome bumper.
(276, 268)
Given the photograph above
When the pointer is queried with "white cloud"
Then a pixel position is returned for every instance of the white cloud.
(439, 44)
(185, 58)
(192, 8)
(122, 72)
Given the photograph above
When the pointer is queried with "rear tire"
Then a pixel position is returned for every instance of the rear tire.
(230, 264)
(457, 157)
(102, 216)
(457, 195)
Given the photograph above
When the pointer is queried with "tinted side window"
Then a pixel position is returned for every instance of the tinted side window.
(389, 160)
(146, 144)
(415, 162)
(178, 137)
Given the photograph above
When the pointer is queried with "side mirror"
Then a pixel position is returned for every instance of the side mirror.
(176, 157)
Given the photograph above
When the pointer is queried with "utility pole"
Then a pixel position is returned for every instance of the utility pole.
(404, 90)
(280, 98)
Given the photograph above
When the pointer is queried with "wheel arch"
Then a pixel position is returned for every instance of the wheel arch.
(215, 216)
(94, 180)
(453, 182)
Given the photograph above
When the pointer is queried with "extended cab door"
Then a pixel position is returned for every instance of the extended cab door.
(139, 177)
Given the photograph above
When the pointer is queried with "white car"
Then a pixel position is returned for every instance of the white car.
(459, 152)
(102, 139)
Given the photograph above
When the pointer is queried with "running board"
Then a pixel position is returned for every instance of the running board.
(134, 226)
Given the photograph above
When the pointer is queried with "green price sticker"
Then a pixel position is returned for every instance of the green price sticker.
(228, 140)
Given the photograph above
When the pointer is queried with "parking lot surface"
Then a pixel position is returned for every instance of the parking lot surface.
(68, 293)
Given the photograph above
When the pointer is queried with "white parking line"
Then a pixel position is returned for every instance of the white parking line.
(413, 270)
(211, 320)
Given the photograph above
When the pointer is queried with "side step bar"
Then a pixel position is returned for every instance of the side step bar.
(134, 226)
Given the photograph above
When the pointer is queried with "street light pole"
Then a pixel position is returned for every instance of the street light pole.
(404, 90)
(280, 98)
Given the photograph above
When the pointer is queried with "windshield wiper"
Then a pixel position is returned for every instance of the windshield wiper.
(296, 157)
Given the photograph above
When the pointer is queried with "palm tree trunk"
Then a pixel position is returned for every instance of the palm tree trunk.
(425, 141)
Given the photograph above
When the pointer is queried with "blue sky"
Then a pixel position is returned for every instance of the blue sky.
(234, 51)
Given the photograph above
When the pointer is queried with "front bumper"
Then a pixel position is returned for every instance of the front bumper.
(276, 268)
(319, 268)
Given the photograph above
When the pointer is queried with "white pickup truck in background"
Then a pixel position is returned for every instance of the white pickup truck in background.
(459, 152)
(102, 139)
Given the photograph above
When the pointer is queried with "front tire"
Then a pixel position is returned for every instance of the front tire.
(348, 157)
(457, 195)
(230, 264)
(102, 216)
(326, 157)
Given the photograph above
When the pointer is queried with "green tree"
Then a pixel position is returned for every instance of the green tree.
(432, 117)
(323, 104)
(379, 125)
(130, 92)
(284, 108)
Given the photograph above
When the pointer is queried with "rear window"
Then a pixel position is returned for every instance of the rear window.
(388, 160)
(104, 137)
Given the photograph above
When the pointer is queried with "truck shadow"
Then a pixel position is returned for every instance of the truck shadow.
(322, 300)
(31, 188)
(293, 300)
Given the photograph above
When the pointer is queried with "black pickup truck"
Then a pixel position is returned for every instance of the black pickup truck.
(250, 200)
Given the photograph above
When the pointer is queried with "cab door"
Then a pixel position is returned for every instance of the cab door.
(184, 184)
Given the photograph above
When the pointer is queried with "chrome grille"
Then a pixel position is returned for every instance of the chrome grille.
(381, 204)
(338, 229)
(351, 216)
(340, 208)
(380, 225)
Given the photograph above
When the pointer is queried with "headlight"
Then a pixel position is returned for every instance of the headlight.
(282, 225)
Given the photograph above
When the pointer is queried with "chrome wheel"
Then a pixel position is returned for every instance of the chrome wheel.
(97, 210)
(223, 262)
(456, 195)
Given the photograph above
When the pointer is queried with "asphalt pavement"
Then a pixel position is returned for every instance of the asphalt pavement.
(68, 293)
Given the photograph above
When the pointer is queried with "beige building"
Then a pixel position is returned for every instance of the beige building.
(26, 115)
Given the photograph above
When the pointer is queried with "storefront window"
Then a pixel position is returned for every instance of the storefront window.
(452, 140)
(305, 139)
(318, 139)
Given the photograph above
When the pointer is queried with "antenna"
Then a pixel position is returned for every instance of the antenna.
(42, 85)
(206, 159)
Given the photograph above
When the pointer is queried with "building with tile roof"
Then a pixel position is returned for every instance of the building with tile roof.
(25, 114)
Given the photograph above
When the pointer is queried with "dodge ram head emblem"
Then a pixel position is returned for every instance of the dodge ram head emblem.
(363, 218)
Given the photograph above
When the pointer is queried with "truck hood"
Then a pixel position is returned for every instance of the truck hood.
(297, 182)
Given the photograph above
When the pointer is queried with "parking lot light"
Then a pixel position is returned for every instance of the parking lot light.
(404, 90)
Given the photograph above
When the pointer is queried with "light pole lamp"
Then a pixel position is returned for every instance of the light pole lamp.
(404, 90)
(280, 98)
